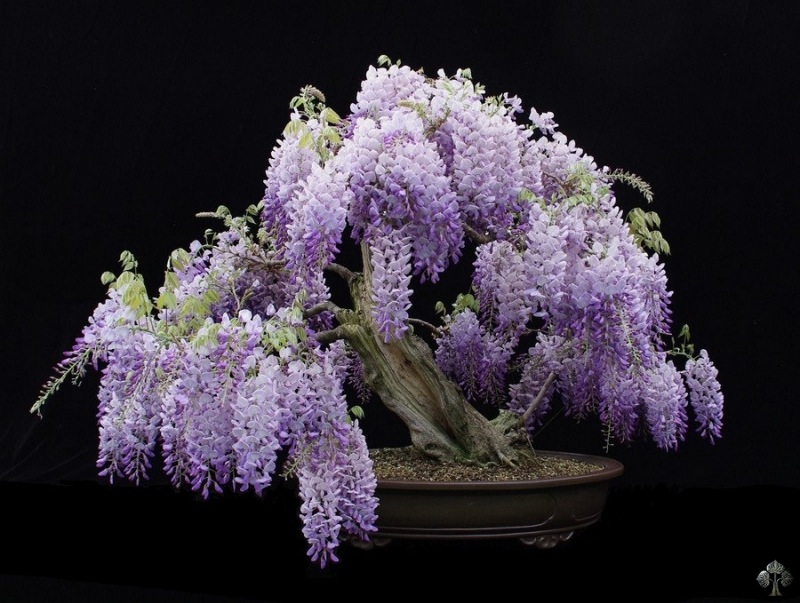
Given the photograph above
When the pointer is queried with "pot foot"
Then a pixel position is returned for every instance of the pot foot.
(547, 541)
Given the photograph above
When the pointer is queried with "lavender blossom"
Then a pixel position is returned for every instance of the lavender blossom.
(665, 400)
(705, 395)
(391, 284)
(127, 422)
(542, 359)
(383, 88)
(289, 165)
(460, 354)
(334, 470)
(486, 168)
(500, 284)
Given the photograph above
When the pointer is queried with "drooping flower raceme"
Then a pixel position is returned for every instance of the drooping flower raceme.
(460, 352)
(334, 470)
(486, 168)
(290, 164)
(705, 394)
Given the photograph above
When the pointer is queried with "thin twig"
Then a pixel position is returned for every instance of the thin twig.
(424, 323)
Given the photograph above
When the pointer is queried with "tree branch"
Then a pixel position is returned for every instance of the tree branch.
(326, 306)
(331, 335)
(423, 323)
(345, 273)
(530, 410)
(475, 235)
(347, 332)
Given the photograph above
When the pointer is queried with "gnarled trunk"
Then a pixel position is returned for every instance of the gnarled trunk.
(404, 374)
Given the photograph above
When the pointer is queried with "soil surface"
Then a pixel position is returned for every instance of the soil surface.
(408, 463)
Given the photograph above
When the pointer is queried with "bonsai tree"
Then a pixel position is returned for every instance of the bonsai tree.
(241, 365)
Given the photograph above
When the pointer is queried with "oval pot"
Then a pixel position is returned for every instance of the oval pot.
(541, 512)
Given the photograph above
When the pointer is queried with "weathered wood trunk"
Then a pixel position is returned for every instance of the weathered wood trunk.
(404, 374)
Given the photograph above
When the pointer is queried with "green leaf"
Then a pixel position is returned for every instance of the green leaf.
(306, 140)
(357, 412)
(526, 195)
(330, 116)
(123, 280)
(465, 301)
(135, 297)
(294, 128)
(171, 280)
(179, 258)
(167, 300)
(127, 260)
(192, 305)
(331, 134)
(107, 278)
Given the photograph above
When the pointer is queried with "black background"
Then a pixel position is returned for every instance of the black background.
(120, 120)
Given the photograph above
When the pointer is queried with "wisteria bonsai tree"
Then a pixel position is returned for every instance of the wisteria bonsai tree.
(241, 365)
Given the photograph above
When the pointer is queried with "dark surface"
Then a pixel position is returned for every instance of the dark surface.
(120, 120)
(78, 542)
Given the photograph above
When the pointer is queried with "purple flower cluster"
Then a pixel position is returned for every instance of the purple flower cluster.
(460, 353)
(665, 404)
(486, 168)
(334, 469)
(223, 398)
(391, 283)
(500, 285)
(565, 266)
(539, 362)
(290, 164)
(399, 184)
(117, 337)
(705, 395)
(316, 220)
(127, 421)
(403, 207)
(382, 88)
(235, 274)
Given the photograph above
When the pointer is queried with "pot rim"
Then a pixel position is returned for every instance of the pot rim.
(610, 469)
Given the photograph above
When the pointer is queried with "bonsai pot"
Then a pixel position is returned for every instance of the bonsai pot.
(543, 512)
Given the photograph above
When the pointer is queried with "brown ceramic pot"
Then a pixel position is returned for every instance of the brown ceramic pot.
(542, 512)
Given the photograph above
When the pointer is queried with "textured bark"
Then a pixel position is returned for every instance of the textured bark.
(404, 374)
